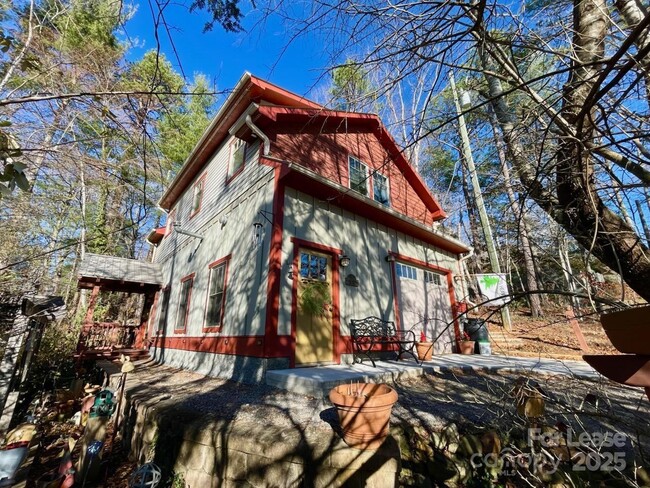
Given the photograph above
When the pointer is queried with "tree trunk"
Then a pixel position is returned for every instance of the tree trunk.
(633, 13)
(578, 208)
(527, 251)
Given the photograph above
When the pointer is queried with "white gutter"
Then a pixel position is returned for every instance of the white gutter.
(256, 130)
(245, 118)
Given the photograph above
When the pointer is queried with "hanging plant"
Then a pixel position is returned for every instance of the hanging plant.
(315, 297)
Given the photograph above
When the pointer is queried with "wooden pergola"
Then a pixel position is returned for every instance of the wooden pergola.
(113, 274)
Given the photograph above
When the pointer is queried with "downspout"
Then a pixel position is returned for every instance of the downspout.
(258, 132)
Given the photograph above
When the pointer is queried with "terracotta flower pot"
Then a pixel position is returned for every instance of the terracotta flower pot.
(425, 350)
(466, 347)
(364, 412)
(629, 329)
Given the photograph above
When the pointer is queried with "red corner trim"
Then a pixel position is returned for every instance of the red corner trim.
(271, 345)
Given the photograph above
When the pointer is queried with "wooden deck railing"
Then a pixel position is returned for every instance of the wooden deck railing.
(97, 336)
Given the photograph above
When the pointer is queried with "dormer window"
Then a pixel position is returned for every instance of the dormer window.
(197, 196)
(358, 176)
(380, 189)
(237, 156)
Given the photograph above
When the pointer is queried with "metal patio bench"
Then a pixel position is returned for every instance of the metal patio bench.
(372, 331)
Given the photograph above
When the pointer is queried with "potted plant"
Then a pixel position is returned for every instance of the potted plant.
(424, 348)
(466, 344)
(315, 297)
(364, 412)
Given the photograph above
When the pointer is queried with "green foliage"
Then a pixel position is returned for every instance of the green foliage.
(181, 128)
(224, 12)
(350, 86)
(439, 169)
(315, 296)
(88, 23)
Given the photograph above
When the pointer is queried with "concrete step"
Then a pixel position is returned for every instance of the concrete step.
(318, 381)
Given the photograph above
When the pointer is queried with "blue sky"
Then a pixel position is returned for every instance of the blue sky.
(224, 56)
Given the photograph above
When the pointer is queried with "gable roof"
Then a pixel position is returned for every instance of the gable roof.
(284, 104)
(373, 124)
(248, 89)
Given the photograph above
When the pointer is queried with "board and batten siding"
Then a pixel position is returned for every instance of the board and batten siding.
(238, 205)
(366, 242)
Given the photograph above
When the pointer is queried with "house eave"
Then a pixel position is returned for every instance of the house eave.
(294, 174)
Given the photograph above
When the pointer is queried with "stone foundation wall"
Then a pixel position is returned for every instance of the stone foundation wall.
(238, 368)
(212, 452)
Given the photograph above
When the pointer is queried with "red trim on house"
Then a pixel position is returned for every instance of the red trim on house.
(200, 181)
(272, 342)
(374, 123)
(336, 308)
(432, 267)
(190, 277)
(393, 275)
(217, 328)
(229, 176)
(239, 345)
(253, 90)
(365, 209)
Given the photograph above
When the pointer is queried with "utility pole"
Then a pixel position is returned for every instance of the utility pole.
(478, 197)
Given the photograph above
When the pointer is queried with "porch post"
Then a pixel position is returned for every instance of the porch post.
(91, 304)
(141, 335)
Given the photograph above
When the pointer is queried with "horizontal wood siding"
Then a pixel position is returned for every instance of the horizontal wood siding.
(325, 151)
(238, 205)
(366, 242)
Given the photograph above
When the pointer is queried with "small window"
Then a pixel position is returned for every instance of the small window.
(169, 226)
(380, 189)
(358, 176)
(184, 304)
(313, 267)
(216, 295)
(431, 277)
(197, 197)
(237, 157)
(406, 271)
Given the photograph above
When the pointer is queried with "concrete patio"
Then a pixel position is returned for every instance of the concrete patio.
(317, 381)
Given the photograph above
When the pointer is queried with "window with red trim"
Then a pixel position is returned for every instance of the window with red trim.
(197, 196)
(237, 158)
(184, 304)
(169, 226)
(216, 306)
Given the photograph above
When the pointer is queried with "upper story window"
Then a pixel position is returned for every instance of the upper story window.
(358, 175)
(237, 157)
(380, 189)
(184, 304)
(197, 196)
(216, 295)
(169, 226)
